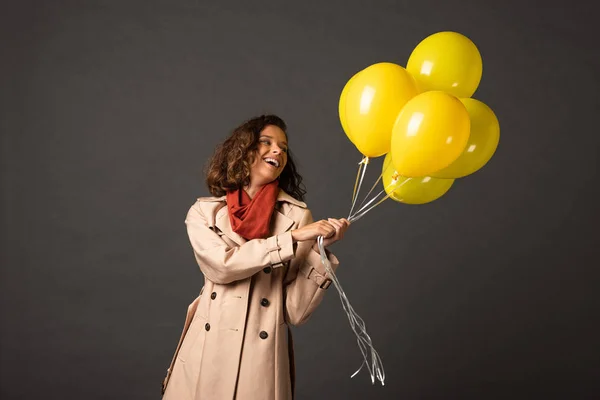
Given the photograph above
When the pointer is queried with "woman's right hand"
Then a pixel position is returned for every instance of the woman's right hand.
(313, 231)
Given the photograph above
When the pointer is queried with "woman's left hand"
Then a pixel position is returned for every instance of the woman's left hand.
(340, 228)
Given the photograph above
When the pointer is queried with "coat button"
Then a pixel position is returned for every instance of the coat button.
(264, 302)
(207, 326)
(267, 270)
(263, 335)
(213, 295)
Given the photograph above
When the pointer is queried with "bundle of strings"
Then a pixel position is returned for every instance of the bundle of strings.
(371, 358)
(373, 363)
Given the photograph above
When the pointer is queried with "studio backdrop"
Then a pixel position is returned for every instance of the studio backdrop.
(110, 110)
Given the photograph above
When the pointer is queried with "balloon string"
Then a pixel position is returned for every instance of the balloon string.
(362, 167)
(359, 215)
(365, 345)
(392, 183)
(375, 184)
(391, 187)
(370, 191)
(352, 217)
(374, 364)
(354, 193)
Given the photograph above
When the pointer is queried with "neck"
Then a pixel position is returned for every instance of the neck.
(251, 190)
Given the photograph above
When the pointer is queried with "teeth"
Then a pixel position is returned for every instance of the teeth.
(273, 161)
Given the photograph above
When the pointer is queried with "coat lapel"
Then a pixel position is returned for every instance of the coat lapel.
(279, 222)
(222, 222)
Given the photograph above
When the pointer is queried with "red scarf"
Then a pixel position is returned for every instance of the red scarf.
(251, 218)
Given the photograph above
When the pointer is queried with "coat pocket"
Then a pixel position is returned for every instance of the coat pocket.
(191, 312)
(193, 336)
(189, 358)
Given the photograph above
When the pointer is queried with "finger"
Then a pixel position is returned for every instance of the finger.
(327, 224)
(340, 231)
(336, 223)
(344, 222)
(328, 231)
(345, 227)
(335, 228)
(336, 235)
(325, 230)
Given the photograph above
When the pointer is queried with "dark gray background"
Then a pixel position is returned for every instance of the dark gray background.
(111, 108)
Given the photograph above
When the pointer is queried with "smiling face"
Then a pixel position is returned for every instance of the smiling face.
(271, 156)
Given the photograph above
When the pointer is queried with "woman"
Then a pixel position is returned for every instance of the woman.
(255, 243)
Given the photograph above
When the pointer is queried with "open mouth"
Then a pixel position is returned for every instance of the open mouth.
(271, 161)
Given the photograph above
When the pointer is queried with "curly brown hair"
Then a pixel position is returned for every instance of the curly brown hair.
(229, 167)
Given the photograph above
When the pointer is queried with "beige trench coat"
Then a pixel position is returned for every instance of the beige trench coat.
(236, 343)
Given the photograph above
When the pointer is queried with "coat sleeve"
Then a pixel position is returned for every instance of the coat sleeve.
(306, 280)
(224, 264)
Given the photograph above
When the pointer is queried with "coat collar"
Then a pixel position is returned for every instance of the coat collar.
(280, 223)
(282, 196)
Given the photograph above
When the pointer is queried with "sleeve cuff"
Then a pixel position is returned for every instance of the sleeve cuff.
(314, 269)
(280, 248)
(314, 258)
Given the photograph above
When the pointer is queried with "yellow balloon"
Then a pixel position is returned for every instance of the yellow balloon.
(446, 61)
(430, 132)
(342, 107)
(374, 98)
(483, 141)
(418, 190)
